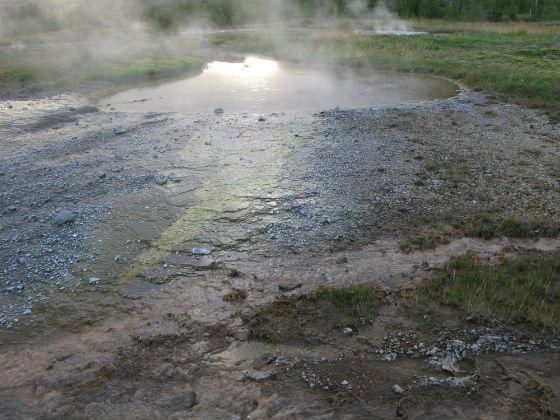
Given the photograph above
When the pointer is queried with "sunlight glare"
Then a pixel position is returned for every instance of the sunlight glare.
(252, 68)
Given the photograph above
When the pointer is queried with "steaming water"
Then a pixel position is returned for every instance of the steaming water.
(262, 86)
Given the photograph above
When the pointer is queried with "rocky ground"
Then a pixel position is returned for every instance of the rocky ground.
(142, 255)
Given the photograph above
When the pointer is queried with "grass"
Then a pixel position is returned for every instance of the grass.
(309, 319)
(487, 227)
(359, 301)
(520, 289)
(115, 71)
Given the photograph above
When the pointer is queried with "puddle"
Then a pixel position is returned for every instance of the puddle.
(262, 86)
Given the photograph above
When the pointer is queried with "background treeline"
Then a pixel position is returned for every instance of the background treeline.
(232, 12)
(25, 16)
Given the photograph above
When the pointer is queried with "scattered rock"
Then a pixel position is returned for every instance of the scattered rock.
(201, 251)
(289, 285)
(65, 216)
(94, 280)
(397, 389)
(347, 331)
(179, 402)
(259, 375)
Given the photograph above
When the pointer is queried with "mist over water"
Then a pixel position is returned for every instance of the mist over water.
(264, 86)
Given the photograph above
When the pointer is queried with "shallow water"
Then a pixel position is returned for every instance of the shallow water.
(260, 86)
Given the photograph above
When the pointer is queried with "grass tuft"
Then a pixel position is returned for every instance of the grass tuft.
(519, 289)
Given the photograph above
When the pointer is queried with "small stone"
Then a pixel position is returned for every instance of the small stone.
(11, 209)
(94, 280)
(119, 131)
(65, 216)
(289, 285)
(201, 251)
(218, 111)
(397, 389)
(258, 375)
(347, 331)
(262, 118)
(345, 383)
(161, 180)
(27, 312)
(179, 402)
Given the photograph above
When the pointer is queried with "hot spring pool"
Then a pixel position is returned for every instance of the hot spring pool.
(262, 86)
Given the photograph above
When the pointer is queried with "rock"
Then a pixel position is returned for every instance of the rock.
(391, 357)
(27, 312)
(289, 285)
(201, 251)
(94, 280)
(119, 131)
(161, 180)
(259, 375)
(65, 216)
(262, 118)
(347, 331)
(345, 383)
(179, 402)
(219, 111)
(397, 389)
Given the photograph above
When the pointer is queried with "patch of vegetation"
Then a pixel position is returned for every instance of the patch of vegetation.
(423, 242)
(143, 68)
(487, 227)
(309, 319)
(519, 289)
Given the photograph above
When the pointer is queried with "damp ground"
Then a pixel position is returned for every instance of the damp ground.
(113, 315)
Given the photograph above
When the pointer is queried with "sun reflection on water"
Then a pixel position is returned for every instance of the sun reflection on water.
(251, 69)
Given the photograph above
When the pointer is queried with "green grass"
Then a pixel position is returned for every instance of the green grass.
(487, 227)
(143, 68)
(310, 319)
(69, 73)
(360, 301)
(519, 289)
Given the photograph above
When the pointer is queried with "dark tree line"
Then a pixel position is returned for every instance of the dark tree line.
(231, 12)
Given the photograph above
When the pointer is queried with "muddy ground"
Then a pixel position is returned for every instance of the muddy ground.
(112, 315)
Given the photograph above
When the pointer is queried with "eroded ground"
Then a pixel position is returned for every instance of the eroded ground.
(117, 318)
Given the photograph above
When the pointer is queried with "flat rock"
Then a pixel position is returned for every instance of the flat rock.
(289, 285)
(259, 375)
(179, 402)
(201, 251)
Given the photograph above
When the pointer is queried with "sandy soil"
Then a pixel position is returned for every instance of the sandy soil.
(117, 318)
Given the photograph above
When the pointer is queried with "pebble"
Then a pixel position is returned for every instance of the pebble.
(65, 216)
(289, 285)
(218, 111)
(119, 131)
(258, 375)
(201, 251)
(397, 389)
(94, 280)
